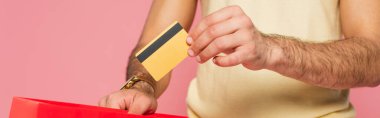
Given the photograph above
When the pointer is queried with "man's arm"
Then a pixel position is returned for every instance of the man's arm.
(351, 62)
(142, 97)
(161, 15)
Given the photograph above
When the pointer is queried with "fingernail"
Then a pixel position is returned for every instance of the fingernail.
(214, 60)
(189, 40)
(190, 52)
(198, 59)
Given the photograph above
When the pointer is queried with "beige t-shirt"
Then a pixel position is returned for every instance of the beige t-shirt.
(238, 92)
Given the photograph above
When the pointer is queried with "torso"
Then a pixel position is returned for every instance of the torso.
(239, 92)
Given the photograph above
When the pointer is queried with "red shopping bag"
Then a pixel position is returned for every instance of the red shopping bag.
(34, 108)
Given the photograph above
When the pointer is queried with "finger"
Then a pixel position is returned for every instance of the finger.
(218, 16)
(116, 100)
(220, 29)
(102, 102)
(220, 44)
(113, 102)
(232, 59)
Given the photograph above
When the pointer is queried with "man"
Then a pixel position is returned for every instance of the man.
(252, 64)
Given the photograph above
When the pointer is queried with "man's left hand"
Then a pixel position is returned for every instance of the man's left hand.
(231, 31)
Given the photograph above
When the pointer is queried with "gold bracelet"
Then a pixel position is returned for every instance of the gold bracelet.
(132, 81)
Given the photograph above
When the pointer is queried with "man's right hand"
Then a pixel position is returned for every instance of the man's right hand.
(137, 100)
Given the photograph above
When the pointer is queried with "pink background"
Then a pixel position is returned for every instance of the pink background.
(76, 51)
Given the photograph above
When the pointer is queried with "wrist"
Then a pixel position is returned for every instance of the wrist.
(144, 87)
(275, 52)
(142, 82)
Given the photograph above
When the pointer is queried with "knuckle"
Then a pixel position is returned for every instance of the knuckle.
(103, 98)
(196, 48)
(107, 97)
(245, 20)
(110, 97)
(202, 55)
(208, 21)
(236, 8)
(219, 44)
(205, 55)
(212, 31)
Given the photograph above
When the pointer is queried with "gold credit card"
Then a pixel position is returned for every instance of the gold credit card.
(163, 53)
